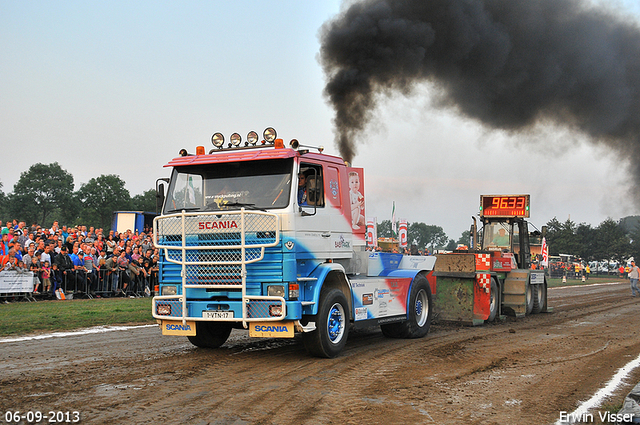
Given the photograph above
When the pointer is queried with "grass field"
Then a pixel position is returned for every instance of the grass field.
(22, 318)
(552, 283)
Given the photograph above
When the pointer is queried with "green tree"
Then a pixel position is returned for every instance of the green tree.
(452, 245)
(384, 229)
(3, 203)
(426, 235)
(144, 202)
(586, 237)
(465, 238)
(42, 193)
(100, 197)
(561, 237)
(611, 242)
(634, 244)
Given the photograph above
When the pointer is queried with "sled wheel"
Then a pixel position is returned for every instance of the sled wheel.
(494, 302)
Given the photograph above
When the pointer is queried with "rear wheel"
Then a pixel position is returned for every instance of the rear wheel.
(419, 313)
(332, 329)
(210, 334)
(529, 297)
(540, 297)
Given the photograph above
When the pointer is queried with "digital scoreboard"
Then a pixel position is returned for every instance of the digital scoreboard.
(504, 205)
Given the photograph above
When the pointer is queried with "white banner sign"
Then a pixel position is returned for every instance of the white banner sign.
(372, 232)
(12, 282)
(402, 234)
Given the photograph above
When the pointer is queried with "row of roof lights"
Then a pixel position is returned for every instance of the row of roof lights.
(268, 137)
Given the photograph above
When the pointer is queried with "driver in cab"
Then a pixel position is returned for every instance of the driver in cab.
(302, 189)
(502, 239)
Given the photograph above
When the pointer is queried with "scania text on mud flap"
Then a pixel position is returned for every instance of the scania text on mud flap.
(494, 275)
(272, 238)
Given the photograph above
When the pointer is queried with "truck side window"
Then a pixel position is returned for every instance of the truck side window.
(187, 191)
(314, 184)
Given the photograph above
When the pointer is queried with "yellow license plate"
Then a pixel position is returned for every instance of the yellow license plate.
(271, 329)
(172, 327)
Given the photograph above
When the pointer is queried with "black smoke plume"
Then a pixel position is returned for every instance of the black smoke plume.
(510, 64)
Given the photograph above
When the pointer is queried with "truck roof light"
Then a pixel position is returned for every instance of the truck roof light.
(199, 150)
(279, 143)
(270, 134)
(183, 152)
(218, 140)
(252, 138)
(235, 140)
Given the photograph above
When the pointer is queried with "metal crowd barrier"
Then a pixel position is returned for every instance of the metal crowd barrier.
(77, 284)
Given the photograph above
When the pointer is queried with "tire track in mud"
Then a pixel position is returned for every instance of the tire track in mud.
(498, 373)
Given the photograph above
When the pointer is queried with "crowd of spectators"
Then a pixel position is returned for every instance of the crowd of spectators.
(78, 260)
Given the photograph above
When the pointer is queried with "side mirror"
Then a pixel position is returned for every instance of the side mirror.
(160, 194)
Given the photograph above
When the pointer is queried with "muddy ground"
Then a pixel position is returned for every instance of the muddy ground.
(522, 371)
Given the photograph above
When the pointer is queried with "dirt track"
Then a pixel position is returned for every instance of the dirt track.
(524, 371)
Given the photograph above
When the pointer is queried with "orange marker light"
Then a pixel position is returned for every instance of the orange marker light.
(279, 144)
(199, 150)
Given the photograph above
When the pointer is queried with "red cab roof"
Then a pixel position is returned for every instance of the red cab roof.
(249, 155)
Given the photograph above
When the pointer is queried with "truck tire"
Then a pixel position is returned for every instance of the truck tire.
(529, 297)
(419, 313)
(210, 334)
(495, 301)
(332, 326)
(540, 297)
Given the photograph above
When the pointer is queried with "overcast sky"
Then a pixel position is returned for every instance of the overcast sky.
(120, 87)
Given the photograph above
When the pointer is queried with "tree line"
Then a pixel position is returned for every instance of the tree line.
(610, 240)
(45, 192)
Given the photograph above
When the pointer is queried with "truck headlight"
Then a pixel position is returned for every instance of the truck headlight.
(252, 138)
(275, 310)
(163, 309)
(169, 290)
(235, 140)
(218, 140)
(270, 135)
(275, 291)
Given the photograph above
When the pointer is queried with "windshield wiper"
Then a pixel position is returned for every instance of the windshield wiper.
(241, 204)
(185, 209)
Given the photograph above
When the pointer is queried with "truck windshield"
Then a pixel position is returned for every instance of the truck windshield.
(217, 187)
(496, 235)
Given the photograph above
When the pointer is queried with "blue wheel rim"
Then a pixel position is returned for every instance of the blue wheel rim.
(335, 323)
(421, 307)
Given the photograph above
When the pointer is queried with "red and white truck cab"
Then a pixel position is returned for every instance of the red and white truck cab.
(271, 238)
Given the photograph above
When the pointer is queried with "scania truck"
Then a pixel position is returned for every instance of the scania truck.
(255, 234)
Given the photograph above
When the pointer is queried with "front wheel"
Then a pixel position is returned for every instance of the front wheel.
(419, 313)
(210, 334)
(332, 328)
